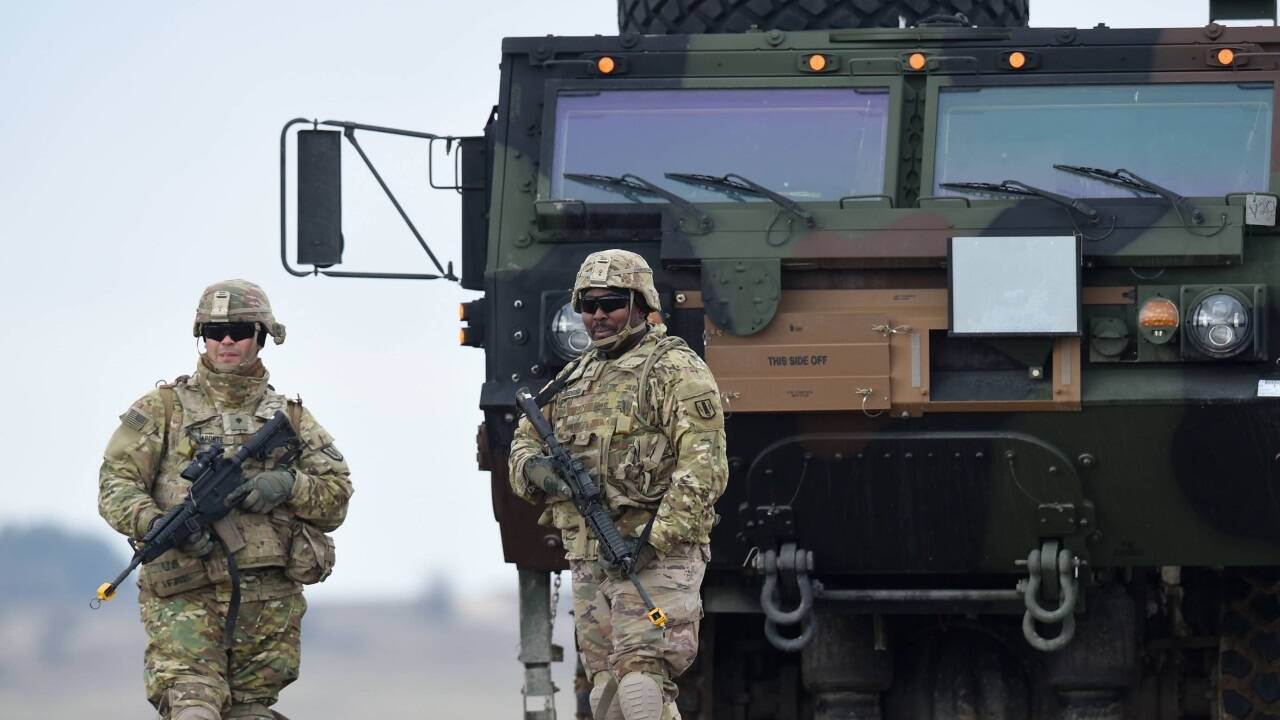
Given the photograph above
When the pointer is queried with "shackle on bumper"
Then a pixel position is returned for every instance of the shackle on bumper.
(1050, 557)
(795, 565)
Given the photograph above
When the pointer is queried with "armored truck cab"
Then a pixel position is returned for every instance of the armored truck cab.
(992, 314)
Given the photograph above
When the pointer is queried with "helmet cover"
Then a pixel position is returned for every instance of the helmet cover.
(620, 270)
(236, 301)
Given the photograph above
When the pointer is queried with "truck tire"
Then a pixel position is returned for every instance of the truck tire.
(1249, 648)
(691, 17)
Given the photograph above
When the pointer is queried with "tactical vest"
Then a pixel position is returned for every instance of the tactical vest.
(192, 423)
(604, 415)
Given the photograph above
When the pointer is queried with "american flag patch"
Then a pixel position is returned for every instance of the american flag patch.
(134, 419)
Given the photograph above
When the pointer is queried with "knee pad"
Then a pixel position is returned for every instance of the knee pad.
(195, 712)
(604, 691)
(192, 699)
(640, 697)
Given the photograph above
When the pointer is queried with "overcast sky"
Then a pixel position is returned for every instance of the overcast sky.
(138, 147)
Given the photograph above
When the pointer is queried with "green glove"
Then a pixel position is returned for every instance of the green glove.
(265, 491)
(198, 543)
(540, 472)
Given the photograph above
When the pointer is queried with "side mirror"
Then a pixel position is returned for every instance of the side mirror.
(475, 209)
(319, 197)
(320, 240)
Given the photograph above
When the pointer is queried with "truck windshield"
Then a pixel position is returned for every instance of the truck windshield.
(806, 144)
(1205, 139)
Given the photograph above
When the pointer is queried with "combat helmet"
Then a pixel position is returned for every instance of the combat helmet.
(236, 301)
(619, 269)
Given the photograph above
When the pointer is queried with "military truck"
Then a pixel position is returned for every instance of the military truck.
(991, 311)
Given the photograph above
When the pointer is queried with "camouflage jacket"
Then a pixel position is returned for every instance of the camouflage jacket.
(140, 477)
(650, 429)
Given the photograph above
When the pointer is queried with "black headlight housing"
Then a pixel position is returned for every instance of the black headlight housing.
(1224, 322)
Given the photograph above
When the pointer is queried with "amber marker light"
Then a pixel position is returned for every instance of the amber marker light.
(1017, 60)
(916, 61)
(1226, 56)
(462, 311)
(462, 337)
(1158, 313)
(817, 63)
(606, 65)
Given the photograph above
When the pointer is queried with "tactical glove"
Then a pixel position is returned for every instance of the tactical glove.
(540, 472)
(265, 491)
(199, 543)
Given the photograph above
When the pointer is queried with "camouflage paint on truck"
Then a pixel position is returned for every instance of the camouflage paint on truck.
(1017, 522)
(910, 459)
(864, 256)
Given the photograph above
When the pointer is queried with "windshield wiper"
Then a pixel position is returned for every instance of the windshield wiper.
(633, 186)
(734, 185)
(1127, 179)
(1013, 187)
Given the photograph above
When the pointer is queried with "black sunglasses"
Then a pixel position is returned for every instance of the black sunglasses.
(608, 303)
(237, 330)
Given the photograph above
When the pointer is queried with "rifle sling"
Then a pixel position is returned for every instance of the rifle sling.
(648, 528)
(553, 388)
(233, 608)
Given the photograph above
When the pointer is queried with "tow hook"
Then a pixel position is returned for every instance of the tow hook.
(793, 566)
(1052, 576)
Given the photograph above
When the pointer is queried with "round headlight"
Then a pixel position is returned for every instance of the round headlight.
(569, 337)
(1218, 325)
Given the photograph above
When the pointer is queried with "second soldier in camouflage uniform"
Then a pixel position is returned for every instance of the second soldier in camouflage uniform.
(642, 410)
(281, 520)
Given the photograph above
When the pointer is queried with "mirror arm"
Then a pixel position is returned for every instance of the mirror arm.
(350, 132)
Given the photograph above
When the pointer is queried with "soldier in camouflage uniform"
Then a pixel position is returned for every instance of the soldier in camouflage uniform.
(279, 526)
(643, 412)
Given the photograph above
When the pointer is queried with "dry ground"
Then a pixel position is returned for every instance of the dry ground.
(372, 660)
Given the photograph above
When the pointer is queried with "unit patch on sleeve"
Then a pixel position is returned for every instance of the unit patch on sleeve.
(706, 408)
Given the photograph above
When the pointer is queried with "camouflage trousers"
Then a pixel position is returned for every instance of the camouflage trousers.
(612, 630)
(186, 663)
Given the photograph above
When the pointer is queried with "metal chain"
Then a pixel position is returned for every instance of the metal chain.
(555, 599)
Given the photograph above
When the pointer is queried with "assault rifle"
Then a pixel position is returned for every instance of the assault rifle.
(589, 502)
(214, 480)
